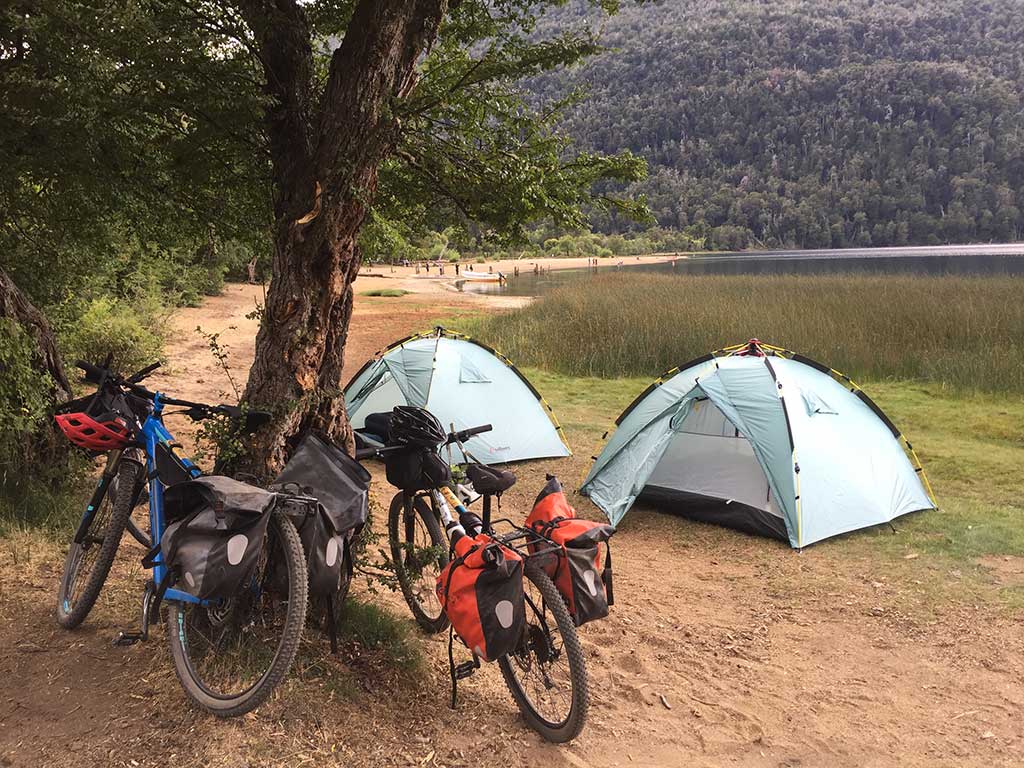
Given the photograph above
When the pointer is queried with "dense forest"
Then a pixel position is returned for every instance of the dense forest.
(809, 123)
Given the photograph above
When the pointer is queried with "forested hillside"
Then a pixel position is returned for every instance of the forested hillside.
(810, 123)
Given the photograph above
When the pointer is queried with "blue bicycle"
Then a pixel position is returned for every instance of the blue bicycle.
(229, 654)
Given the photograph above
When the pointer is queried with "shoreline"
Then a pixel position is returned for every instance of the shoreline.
(381, 276)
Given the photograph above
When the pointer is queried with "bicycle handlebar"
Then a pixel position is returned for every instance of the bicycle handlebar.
(101, 375)
(464, 434)
(459, 436)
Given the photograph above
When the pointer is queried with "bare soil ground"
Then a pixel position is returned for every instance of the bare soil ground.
(722, 649)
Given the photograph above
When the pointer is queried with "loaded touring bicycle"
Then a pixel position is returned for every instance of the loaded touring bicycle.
(228, 558)
(514, 596)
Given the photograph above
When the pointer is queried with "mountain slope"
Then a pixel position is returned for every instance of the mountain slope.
(812, 124)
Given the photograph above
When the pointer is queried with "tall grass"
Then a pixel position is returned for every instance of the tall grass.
(966, 333)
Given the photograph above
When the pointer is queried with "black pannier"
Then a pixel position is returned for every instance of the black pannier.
(216, 526)
(417, 469)
(341, 486)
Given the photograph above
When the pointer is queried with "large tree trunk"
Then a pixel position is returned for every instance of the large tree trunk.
(326, 151)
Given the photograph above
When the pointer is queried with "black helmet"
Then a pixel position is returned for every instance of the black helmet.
(415, 426)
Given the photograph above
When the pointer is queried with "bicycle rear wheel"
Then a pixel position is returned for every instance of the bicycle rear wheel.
(88, 562)
(419, 552)
(547, 674)
(229, 657)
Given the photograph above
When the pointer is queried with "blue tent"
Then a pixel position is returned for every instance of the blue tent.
(461, 382)
(761, 439)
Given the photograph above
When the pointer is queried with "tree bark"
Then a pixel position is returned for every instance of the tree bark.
(326, 153)
(15, 305)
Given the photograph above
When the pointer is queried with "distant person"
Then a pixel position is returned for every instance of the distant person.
(456, 268)
(490, 268)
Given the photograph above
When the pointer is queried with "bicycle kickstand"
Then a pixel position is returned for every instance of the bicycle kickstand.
(125, 638)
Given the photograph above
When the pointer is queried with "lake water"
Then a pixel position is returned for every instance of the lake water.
(951, 259)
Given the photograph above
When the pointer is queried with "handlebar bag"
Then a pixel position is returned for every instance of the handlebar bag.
(216, 531)
(481, 590)
(341, 485)
(582, 575)
(417, 469)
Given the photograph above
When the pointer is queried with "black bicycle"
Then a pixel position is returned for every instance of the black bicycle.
(546, 672)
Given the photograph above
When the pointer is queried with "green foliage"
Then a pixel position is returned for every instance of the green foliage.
(811, 123)
(48, 498)
(146, 123)
(107, 327)
(375, 629)
(474, 155)
(962, 332)
(23, 401)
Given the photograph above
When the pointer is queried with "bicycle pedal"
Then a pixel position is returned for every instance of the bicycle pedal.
(465, 669)
(129, 638)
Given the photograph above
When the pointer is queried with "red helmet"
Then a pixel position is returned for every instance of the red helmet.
(85, 432)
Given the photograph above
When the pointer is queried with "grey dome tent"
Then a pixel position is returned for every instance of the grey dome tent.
(462, 382)
(762, 439)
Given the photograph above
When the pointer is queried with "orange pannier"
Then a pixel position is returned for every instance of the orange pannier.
(481, 591)
(582, 576)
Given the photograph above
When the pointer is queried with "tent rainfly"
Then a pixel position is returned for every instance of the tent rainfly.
(761, 439)
(461, 382)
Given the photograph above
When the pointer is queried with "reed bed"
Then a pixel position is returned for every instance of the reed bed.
(963, 332)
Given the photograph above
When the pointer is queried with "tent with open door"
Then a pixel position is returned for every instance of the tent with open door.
(758, 438)
(461, 382)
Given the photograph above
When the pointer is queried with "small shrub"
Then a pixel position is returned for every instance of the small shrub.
(23, 402)
(389, 293)
(107, 327)
(376, 629)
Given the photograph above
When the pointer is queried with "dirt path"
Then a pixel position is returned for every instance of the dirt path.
(722, 649)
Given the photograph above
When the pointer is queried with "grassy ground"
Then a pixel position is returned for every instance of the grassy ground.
(962, 332)
(972, 447)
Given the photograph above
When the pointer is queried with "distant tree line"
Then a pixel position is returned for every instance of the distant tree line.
(809, 123)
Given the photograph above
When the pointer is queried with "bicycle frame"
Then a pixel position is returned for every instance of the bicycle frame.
(155, 434)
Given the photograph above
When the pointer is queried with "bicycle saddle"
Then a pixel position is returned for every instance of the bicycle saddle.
(489, 480)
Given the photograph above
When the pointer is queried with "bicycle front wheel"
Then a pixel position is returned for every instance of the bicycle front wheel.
(546, 673)
(419, 552)
(88, 561)
(230, 656)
